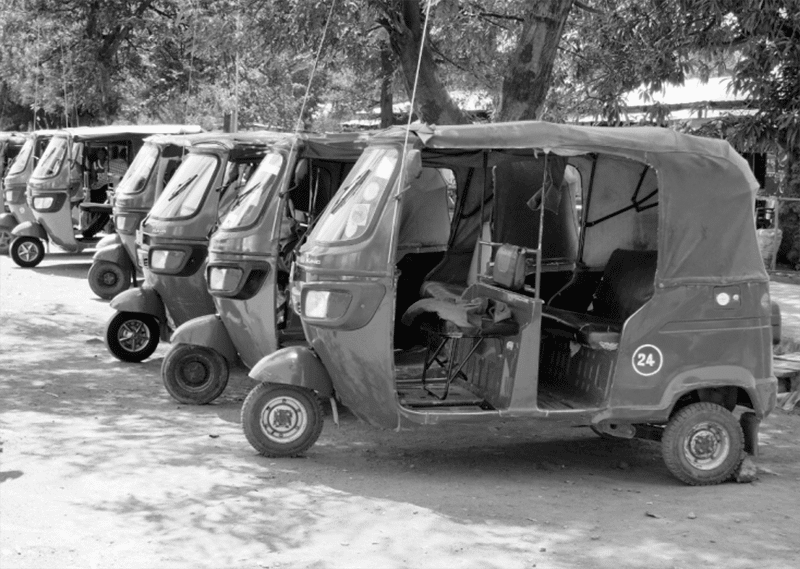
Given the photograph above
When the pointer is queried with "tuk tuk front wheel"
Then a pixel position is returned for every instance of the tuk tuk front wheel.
(703, 444)
(132, 337)
(281, 420)
(27, 251)
(107, 279)
(195, 375)
(5, 240)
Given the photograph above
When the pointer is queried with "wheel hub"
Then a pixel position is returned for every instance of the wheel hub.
(284, 420)
(28, 251)
(109, 278)
(707, 446)
(194, 373)
(5, 238)
(133, 335)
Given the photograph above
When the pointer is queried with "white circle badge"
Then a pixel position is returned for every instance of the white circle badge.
(647, 360)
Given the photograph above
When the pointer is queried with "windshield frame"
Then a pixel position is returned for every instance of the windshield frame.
(266, 190)
(350, 189)
(171, 191)
(128, 179)
(21, 160)
(58, 149)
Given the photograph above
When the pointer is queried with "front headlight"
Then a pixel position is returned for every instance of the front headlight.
(43, 202)
(327, 304)
(125, 223)
(10, 196)
(166, 259)
(224, 279)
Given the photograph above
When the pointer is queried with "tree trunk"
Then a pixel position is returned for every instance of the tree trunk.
(387, 71)
(530, 69)
(433, 104)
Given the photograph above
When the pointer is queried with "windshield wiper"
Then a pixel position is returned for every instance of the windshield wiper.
(182, 187)
(346, 191)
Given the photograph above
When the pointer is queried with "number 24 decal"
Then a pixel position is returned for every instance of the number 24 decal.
(647, 360)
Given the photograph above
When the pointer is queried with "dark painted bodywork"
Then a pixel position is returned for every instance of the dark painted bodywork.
(706, 246)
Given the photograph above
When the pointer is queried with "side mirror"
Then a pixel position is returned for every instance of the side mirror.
(414, 164)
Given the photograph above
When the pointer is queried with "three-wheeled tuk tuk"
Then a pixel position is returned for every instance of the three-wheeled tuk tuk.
(15, 185)
(172, 242)
(114, 265)
(248, 264)
(70, 186)
(658, 328)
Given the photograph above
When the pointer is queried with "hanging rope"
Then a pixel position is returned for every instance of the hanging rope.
(191, 63)
(314, 68)
(401, 178)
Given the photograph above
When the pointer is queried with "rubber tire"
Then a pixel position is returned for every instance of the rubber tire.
(5, 240)
(174, 373)
(680, 427)
(17, 243)
(107, 279)
(121, 319)
(264, 394)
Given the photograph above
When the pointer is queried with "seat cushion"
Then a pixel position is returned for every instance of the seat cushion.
(590, 330)
(627, 283)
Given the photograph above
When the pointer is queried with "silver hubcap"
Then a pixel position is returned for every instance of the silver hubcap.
(284, 419)
(28, 251)
(707, 446)
(133, 335)
(5, 238)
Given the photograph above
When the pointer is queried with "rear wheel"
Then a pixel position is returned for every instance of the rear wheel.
(132, 337)
(281, 420)
(194, 375)
(107, 279)
(5, 240)
(27, 251)
(703, 444)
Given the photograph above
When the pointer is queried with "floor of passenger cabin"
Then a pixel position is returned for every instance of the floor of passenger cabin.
(412, 392)
(553, 398)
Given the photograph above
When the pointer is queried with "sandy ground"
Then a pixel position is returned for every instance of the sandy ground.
(100, 468)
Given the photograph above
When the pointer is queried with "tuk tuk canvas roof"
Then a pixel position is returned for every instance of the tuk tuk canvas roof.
(115, 131)
(706, 190)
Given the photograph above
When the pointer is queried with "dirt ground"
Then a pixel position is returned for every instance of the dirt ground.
(100, 468)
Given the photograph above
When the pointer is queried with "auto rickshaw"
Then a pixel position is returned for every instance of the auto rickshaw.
(70, 184)
(114, 264)
(15, 183)
(248, 264)
(662, 330)
(172, 242)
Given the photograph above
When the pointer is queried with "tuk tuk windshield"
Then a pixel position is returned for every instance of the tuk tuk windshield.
(21, 161)
(50, 163)
(138, 173)
(350, 214)
(184, 194)
(251, 199)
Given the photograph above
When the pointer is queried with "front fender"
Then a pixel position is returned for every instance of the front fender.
(208, 331)
(30, 229)
(295, 365)
(141, 300)
(114, 253)
(8, 221)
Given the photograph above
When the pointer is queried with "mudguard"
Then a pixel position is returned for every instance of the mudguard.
(143, 301)
(113, 253)
(295, 365)
(30, 229)
(8, 221)
(208, 331)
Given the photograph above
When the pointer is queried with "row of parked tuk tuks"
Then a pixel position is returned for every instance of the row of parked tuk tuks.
(608, 277)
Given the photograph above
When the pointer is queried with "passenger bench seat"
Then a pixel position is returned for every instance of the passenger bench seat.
(627, 284)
